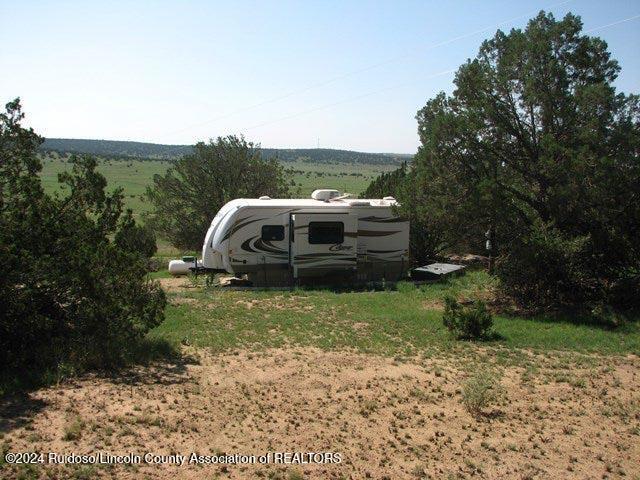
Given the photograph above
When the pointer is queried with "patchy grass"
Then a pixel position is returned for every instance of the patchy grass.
(382, 322)
(162, 273)
(389, 417)
(374, 376)
(73, 429)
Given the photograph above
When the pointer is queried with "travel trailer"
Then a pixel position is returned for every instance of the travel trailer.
(327, 239)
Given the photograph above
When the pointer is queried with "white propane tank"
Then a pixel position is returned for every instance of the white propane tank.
(180, 267)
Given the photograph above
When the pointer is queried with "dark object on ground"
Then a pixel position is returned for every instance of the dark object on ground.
(239, 282)
(437, 271)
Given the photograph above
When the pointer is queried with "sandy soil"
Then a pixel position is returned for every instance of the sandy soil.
(175, 284)
(387, 418)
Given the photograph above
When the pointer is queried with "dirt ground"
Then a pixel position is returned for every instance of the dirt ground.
(386, 418)
(182, 284)
(175, 284)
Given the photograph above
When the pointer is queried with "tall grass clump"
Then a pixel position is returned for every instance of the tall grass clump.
(481, 391)
(472, 322)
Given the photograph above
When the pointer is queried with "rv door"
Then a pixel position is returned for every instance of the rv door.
(323, 244)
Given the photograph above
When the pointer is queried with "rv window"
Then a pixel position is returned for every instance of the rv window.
(271, 233)
(326, 232)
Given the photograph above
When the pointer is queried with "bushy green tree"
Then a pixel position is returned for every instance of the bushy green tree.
(537, 148)
(187, 197)
(426, 240)
(135, 238)
(386, 184)
(472, 322)
(70, 295)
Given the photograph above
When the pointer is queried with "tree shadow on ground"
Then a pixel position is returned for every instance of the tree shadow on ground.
(389, 286)
(627, 322)
(491, 415)
(152, 362)
(17, 410)
(166, 373)
(492, 336)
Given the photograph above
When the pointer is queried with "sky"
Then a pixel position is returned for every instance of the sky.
(287, 74)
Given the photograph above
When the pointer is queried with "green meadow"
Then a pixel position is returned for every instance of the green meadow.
(404, 320)
(133, 176)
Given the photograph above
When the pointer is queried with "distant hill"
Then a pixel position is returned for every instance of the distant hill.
(117, 149)
(114, 148)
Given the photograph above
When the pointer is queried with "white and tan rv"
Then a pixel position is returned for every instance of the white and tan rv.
(328, 238)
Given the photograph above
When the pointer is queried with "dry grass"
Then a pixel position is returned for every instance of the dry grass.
(397, 417)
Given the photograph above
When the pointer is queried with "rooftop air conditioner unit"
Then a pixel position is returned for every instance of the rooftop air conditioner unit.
(325, 194)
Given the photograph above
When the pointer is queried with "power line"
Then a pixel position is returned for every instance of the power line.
(347, 100)
(368, 94)
(612, 24)
(360, 70)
